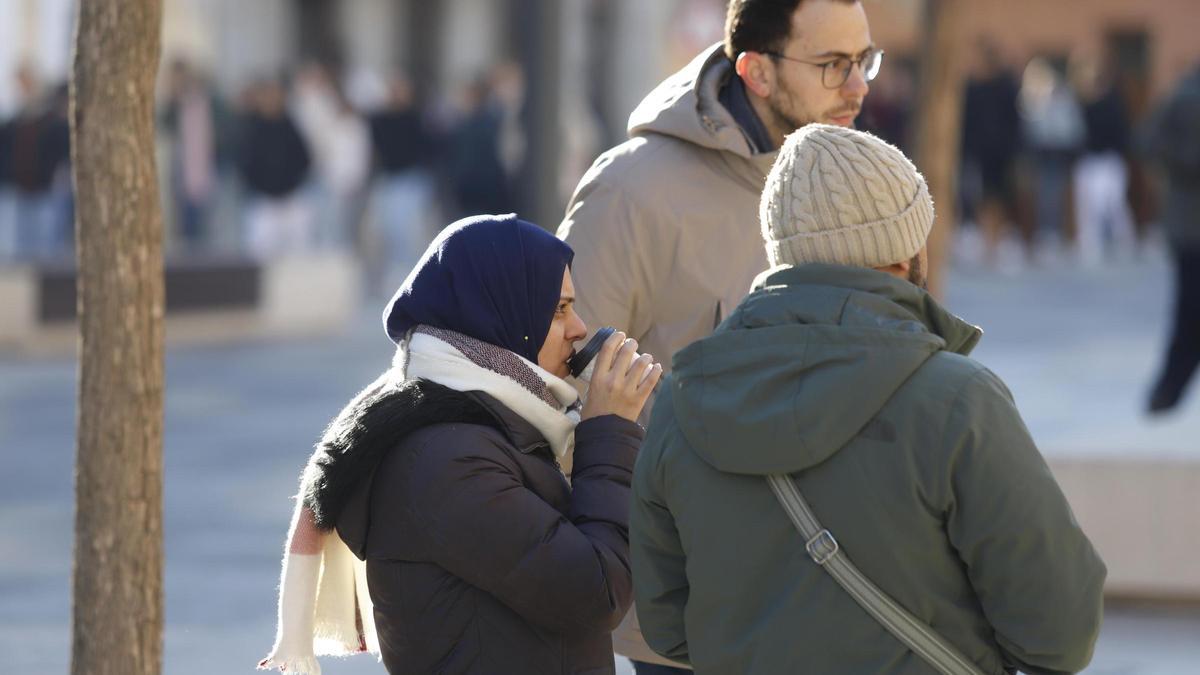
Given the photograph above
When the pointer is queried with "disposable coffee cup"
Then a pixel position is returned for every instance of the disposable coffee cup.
(584, 361)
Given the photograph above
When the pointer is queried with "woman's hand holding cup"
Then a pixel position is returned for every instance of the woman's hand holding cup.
(620, 384)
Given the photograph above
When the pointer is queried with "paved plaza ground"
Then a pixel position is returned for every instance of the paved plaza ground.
(1078, 348)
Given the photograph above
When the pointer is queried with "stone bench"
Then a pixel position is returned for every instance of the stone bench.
(207, 299)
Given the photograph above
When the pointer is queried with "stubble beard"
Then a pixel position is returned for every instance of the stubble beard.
(784, 121)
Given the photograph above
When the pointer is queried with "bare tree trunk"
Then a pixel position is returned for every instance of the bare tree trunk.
(939, 124)
(117, 617)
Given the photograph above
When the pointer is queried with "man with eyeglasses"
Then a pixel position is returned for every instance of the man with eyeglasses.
(665, 226)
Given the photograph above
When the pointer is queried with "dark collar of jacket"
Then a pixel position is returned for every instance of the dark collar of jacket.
(735, 99)
(376, 420)
(904, 299)
(687, 106)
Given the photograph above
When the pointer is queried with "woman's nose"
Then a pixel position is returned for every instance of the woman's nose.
(577, 330)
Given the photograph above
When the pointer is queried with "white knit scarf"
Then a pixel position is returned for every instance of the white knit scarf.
(324, 605)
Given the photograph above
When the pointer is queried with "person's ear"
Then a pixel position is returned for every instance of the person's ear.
(757, 72)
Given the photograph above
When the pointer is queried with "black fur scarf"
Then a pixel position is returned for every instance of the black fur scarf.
(369, 427)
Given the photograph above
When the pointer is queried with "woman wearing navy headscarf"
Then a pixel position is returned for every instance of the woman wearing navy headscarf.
(435, 525)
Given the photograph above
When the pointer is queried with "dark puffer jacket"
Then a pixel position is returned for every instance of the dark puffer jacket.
(481, 558)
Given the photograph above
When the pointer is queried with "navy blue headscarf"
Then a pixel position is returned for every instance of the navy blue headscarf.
(494, 278)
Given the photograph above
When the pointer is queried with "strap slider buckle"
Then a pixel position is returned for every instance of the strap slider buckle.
(821, 547)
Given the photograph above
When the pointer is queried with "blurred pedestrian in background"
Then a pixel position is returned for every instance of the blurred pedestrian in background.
(665, 225)
(478, 180)
(274, 161)
(188, 119)
(38, 170)
(1053, 131)
(887, 112)
(58, 150)
(340, 142)
(402, 195)
(8, 232)
(506, 85)
(1103, 219)
(991, 141)
(1173, 139)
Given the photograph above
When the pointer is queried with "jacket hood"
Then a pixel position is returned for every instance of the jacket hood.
(804, 363)
(686, 106)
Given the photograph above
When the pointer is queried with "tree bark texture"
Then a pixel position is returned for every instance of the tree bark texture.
(117, 613)
(939, 124)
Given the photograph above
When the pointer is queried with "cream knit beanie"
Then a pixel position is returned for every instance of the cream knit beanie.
(841, 196)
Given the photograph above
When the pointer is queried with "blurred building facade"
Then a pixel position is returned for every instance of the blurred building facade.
(441, 44)
(587, 63)
(616, 49)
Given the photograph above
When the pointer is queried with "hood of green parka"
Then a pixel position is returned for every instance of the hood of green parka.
(804, 363)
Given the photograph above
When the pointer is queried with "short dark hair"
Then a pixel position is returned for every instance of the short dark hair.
(759, 25)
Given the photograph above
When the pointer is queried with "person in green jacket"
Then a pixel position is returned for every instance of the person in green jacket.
(839, 370)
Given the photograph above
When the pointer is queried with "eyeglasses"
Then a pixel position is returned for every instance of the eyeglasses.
(835, 73)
